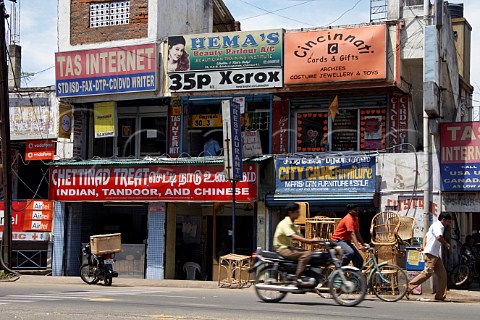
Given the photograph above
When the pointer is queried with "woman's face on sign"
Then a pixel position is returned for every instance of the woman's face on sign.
(176, 51)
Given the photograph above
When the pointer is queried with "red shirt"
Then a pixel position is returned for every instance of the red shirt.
(345, 228)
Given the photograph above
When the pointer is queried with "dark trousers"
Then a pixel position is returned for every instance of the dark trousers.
(350, 253)
(303, 257)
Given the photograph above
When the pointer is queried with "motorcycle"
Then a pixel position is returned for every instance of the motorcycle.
(98, 268)
(275, 276)
(466, 270)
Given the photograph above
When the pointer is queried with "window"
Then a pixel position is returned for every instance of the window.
(103, 14)
(352, 129)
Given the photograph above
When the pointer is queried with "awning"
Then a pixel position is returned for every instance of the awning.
(153, 161)
(320, 200)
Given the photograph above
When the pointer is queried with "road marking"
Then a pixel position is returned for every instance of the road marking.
(91, 295)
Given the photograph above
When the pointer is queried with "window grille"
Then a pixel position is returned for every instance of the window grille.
(104, 14)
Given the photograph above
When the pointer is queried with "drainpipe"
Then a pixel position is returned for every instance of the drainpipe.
(426, 137)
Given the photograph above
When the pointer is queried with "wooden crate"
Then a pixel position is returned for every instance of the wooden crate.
(320, 227)
(106, 243)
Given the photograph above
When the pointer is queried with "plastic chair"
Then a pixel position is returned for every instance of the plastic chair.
(191, 268)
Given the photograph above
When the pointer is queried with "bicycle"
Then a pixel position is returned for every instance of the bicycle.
(387, 281)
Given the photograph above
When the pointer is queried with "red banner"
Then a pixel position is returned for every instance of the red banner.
(40, 150)
(280, 127)
(150, 183)
(18, 214)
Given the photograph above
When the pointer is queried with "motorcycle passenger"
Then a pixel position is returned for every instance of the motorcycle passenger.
(285, 233)
(347, 230)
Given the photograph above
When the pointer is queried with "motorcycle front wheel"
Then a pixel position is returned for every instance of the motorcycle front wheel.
(352, 291)
(269, 276)
(89, 274)
(460, 275)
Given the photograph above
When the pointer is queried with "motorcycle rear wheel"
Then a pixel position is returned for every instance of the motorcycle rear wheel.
(460, 275)
(389, 282)
(89, 274)
(352, 292)
(269, 275)
(108, 279)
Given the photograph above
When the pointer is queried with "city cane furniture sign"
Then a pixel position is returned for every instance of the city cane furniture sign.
(333, 55)
(150, 183)
(40, 150)
(300, 175)
(460, 156)
(106, 70)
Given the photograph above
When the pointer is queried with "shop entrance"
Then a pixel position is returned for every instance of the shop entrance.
(131, 222)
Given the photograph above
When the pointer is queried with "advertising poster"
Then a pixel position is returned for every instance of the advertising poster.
(335, 174)
(372, 129)
(104, 119)
(460, 156)
(165, 183)
(32, 118)
(106, 70)
(348, 54)
(312, 135)
(228, 50)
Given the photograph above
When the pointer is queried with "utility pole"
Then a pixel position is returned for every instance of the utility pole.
(6, 146)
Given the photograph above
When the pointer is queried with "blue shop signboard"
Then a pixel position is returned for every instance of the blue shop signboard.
(329, 174)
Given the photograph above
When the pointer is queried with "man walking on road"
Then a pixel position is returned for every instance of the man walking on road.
(433, 262)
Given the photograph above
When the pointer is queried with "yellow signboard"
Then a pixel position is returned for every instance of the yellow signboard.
(206, 120)
(104, 119)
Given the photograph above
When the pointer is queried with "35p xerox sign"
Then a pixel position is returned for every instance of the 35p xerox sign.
(226, 80)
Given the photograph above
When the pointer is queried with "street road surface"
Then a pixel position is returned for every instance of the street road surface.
(72, 301)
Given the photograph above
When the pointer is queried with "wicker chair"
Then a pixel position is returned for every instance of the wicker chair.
(405, 231)
(384, 233)
(384, 228)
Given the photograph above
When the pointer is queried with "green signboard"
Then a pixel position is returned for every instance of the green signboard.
(229, 50)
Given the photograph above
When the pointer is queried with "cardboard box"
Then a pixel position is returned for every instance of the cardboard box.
(106, 243)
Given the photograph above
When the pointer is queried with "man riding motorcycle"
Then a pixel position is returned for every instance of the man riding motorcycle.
(285, 233)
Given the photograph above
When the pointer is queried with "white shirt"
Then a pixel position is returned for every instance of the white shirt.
(433, 245)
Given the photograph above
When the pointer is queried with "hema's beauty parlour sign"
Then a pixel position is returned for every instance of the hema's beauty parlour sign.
(333, 55)
(340, 174)
(150, 183)
(460, 156)
(106, 70)
(230, 61)
(247, 49)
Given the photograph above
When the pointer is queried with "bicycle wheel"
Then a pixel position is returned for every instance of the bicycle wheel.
(460, 275)
(348, 293)
(389, 282)
(269, 275)
(89, 274)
